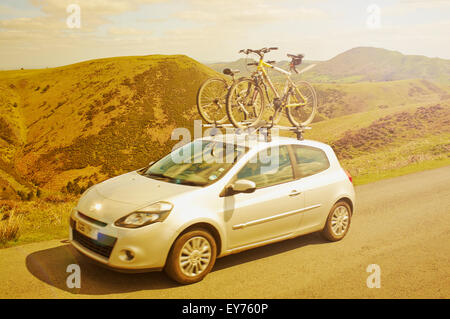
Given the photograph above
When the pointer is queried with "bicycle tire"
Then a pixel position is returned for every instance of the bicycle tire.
(218, 117)
(295, 117)
(251, 89)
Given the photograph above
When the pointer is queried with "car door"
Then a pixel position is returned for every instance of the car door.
(271, 210)
(312, 165)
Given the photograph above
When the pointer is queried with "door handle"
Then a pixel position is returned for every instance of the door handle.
(295, 193)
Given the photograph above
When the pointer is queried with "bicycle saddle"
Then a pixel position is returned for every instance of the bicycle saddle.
(296, 60)
(295, 56)
(230, 72)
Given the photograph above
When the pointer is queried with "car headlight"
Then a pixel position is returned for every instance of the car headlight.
(156, 212)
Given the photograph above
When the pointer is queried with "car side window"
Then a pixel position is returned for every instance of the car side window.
(310, 160)
(267, 168)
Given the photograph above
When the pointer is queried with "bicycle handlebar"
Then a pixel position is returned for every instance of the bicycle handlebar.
(260, 52)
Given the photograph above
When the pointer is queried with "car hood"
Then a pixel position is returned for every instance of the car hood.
(121, 195)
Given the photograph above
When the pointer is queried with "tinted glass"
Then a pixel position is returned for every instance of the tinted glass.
(310, 160)
(269, 167)
(198, 163)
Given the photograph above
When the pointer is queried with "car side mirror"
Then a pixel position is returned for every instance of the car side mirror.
(243, 186)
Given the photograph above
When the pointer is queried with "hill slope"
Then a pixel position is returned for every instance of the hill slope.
(87, 121)
(375, 64)
(388, 142)
(339, 99)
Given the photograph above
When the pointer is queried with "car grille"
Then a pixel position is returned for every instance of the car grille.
(103, 246)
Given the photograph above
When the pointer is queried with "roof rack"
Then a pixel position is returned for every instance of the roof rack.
(263, 128)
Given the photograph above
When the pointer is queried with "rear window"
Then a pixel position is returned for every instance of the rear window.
(310, 160)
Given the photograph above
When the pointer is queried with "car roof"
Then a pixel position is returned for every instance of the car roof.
(259, 141)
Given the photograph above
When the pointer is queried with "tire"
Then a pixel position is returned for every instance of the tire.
(303, 115)
(245, 103)
(211, 100)
(185, 248)
(329, 231)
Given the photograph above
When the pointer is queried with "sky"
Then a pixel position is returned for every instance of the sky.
(48, 33)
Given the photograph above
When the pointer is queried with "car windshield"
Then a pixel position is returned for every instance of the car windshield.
(198, 163)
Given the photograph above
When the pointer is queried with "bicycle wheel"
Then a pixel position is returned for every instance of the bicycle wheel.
(245, 103)
(302, 115)
(211, 100)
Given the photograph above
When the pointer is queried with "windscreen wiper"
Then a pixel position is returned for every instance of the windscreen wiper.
(158, 175)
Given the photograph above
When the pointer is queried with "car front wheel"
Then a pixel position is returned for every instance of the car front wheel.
(338, 222)
(192, 257)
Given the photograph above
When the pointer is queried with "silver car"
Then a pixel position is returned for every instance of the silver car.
(210, 198)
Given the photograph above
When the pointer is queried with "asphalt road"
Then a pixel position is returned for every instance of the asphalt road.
(401, 224)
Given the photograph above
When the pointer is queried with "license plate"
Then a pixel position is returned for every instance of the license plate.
(86, 230)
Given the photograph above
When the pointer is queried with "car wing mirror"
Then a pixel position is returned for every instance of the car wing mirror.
(243, 186)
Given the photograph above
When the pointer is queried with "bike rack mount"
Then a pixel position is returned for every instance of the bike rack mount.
(263, 128)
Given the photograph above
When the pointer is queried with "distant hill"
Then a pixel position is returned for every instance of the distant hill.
(374, 64)
(360, 64)
(88, 121)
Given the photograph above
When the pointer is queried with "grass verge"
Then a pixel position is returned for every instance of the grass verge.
(23, 222)
(413, 168)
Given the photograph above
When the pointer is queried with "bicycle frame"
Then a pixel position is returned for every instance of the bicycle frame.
(289, 83)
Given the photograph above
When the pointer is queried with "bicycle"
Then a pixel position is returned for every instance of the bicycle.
(245, 98)
(211, 98)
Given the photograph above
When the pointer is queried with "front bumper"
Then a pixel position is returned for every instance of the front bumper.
(150, 245)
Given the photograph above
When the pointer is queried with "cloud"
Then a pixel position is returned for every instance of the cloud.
(128, 31)
(50, 28)
(245, 12)
(404, 7)
(211, 29)
(94, 13)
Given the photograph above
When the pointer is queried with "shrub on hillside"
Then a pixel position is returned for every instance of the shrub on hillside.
(22, 195)
(57, 198)
(7, 133)
(45, 89)
(9, 229)
(7, 205)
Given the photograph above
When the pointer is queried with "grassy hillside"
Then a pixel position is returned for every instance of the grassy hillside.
(339, 99)
(388, 142)
(375, 64)
(84, 122)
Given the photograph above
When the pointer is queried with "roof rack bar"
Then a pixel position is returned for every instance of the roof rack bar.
(263, 127)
